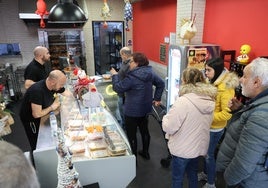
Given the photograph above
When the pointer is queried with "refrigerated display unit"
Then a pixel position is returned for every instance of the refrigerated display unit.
(64, 45)
(181, 57)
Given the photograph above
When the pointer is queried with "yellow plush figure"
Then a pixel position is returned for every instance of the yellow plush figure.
(244, 50)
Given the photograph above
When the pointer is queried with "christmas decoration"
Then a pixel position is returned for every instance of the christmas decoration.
(81, 86)
(128, 13)
(244, 50)
(67, 175)
(92, 98)
(5, 116)
(105, 13)
(188, 30)
(42, 11)
(105, 25)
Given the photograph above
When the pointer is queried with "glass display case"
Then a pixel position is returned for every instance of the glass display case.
(65, 46)
(101, 152)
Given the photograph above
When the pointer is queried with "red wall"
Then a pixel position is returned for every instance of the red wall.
(232, 23)
(229, 23)
(152, 21)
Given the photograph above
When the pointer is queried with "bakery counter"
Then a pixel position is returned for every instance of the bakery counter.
(111, 164)
(110, 97)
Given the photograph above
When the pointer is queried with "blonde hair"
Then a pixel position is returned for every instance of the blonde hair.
(192, 76)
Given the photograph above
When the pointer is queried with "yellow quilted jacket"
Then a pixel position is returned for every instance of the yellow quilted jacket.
(226, 84)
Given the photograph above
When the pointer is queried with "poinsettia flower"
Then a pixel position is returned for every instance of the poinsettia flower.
(84, 81)
(92, 80)
(1, 87)
(75, 71)
(93, 89)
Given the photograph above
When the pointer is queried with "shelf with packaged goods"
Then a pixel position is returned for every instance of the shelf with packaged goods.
(115, 44)
(91, 169)
(61, 43)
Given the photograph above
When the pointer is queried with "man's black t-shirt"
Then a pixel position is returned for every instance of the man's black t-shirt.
(38, 94)
(35, 71)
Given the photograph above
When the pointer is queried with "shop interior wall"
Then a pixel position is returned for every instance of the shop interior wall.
(94, 7)
(152, 21)
(234, 23)
(14, 30)
(228, 23)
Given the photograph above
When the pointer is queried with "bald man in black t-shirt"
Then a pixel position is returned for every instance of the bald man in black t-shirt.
(36, 69)
(38, 101)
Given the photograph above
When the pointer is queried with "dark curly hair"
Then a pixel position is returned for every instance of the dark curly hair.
(140, 59)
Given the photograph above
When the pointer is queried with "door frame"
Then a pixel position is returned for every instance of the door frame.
(101, 43)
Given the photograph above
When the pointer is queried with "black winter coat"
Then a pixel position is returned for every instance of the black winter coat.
(138, 88)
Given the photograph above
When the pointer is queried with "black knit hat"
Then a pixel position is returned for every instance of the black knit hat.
(218, 65)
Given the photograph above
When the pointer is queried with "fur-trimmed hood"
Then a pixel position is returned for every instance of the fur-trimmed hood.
(228, 79)
(203, 89)
(188, 137)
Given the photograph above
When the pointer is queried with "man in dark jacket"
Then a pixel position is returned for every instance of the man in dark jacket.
(138, 88)
(244, 150)
(125, 54)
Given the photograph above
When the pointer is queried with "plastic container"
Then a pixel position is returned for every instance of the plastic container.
(53, 124)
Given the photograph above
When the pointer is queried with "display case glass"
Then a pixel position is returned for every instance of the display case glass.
(66, 46)
(104, 157)
(92, 132)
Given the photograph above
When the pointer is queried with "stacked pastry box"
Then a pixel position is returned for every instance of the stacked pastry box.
(94, 136)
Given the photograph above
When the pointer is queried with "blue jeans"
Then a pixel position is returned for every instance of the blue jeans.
(210, 165)
(179, 167)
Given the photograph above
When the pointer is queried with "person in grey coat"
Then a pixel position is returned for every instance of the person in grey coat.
(243, 152)
(125, 54)
(15, 170)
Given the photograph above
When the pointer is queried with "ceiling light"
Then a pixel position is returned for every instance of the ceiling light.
(65, 11)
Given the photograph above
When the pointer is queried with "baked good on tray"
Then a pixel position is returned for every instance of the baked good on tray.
(94, 145)
(95, 132)
(99, 153)
(77, 148)
(77, 135)
(75, 125)
(116, 150)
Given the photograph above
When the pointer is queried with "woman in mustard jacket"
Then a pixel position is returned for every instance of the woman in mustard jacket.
(226, 82)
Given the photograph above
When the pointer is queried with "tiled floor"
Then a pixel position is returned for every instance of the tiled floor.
(150, 174)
